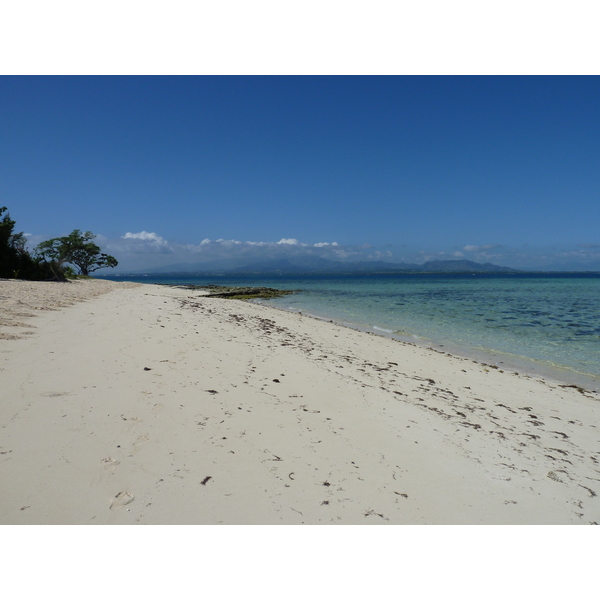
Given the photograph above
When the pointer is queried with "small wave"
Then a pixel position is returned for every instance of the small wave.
(382, 329)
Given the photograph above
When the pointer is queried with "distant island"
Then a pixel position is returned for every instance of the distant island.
(322, 266)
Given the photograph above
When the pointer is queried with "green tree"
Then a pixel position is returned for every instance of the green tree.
(15, 260)
(8, 251)
(77, 249)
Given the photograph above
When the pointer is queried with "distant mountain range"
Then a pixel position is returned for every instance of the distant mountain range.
(308, 265)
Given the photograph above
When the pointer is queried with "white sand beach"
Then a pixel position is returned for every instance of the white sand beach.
(145, 404)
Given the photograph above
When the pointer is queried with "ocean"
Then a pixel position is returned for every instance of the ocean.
(543, 324)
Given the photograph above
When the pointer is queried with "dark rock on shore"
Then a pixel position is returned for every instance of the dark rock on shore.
(239, 293)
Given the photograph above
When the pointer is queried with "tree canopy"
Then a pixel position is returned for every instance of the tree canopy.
(15, 260)
(49, 259)
(77, 249)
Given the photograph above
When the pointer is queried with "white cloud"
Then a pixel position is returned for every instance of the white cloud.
(379, 255)
(146, 237)
(471, 248)
(291, 242)
(340, 253)
(141, 244)
(146, 250)
(33, 240)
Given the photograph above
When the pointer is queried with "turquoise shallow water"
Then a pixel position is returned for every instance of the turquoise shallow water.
(540, 323)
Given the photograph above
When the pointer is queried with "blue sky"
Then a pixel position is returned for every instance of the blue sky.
(402, 168)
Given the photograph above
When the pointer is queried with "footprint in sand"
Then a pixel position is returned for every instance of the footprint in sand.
(109, 463)
(143, 439)
(121, 500)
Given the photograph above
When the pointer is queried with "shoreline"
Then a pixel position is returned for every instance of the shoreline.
(545, 367)
(152, 405)
(522, 365)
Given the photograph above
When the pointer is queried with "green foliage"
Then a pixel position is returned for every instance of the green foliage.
(51, 258)
(77, 249)
(70, 273)
(15, 260)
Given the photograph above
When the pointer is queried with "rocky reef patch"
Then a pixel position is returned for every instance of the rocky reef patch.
(238, 293)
